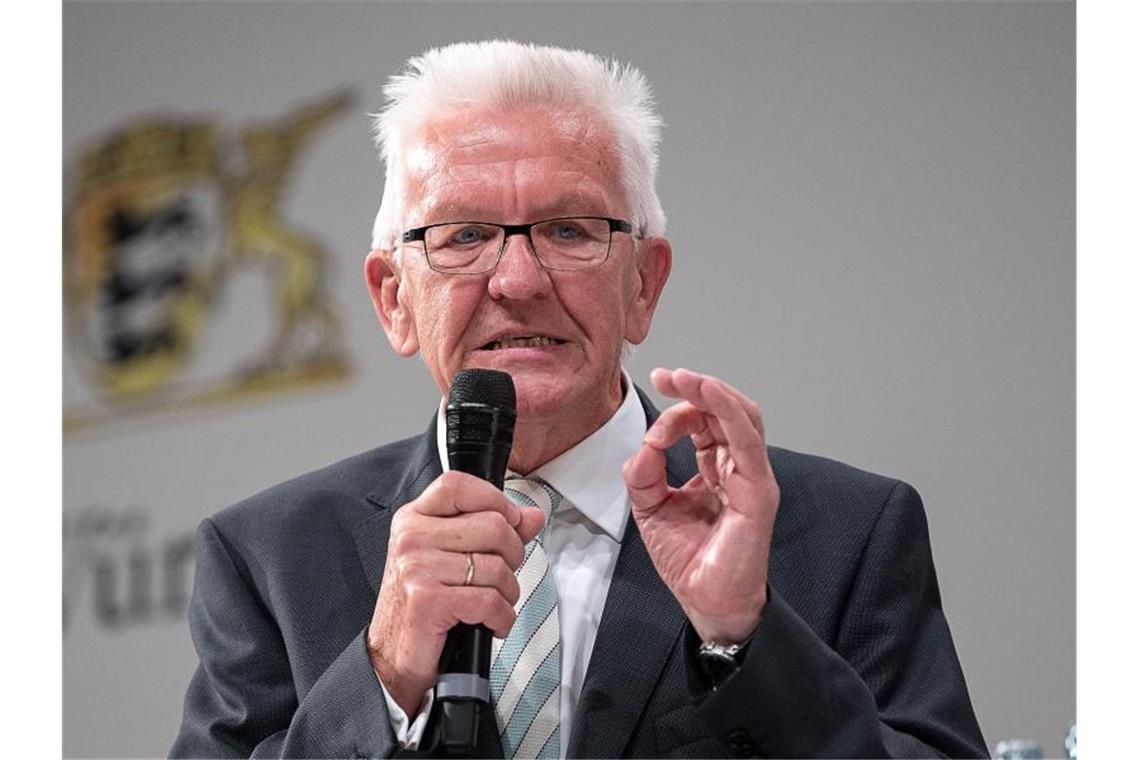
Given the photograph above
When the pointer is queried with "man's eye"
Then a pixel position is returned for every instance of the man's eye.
(467, 236)
(567, 232)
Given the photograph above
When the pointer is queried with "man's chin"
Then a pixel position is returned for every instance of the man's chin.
(536, 388)
(572, 402)
(542, 400)
(552, 392)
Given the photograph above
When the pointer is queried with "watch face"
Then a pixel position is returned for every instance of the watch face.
(719, 654)
(717, 663)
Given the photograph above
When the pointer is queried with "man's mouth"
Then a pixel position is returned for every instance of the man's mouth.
(521, 341)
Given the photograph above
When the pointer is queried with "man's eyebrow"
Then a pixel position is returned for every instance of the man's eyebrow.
(571, 205)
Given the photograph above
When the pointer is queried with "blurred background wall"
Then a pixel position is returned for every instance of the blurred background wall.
(872, 213)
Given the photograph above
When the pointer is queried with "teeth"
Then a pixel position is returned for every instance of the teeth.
(529, 341)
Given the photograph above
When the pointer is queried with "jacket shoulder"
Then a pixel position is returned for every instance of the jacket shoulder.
(828, 514)
(829, 484)
(828, 509)
(338, 494)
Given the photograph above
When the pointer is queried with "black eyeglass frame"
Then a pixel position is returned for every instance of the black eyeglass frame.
(419, 234)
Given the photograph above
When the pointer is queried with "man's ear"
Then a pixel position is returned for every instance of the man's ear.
(387, 290)
(653, 261)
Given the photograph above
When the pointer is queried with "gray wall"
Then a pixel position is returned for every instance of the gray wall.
(872, 212)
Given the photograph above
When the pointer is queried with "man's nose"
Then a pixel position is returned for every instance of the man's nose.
(519, 275)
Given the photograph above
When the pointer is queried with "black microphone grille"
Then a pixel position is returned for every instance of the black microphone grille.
(483, 386)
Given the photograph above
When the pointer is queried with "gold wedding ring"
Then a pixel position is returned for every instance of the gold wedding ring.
(470, 569)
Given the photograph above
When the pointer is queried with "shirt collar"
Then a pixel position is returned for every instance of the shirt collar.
(588, 475)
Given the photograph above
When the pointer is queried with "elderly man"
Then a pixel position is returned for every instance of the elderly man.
(758, 602)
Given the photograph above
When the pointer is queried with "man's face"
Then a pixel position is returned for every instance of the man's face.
(514, 167)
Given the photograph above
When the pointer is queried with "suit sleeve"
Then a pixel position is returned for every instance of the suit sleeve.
(241, 701)
(891, 687)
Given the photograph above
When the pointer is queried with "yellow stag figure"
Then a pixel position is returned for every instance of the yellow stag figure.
(297, 261)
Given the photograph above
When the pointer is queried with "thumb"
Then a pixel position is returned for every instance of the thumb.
(531, 523)
(644, 475)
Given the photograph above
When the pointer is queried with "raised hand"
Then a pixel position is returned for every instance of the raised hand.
(425, 591)
(709, 539)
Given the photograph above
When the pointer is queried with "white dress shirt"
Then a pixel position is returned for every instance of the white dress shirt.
(582, 545)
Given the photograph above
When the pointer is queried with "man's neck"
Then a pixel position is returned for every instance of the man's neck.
(537, 441)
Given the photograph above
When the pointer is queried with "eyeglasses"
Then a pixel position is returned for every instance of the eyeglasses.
(563, 244)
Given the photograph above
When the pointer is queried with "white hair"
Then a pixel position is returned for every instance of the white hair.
(511, 74)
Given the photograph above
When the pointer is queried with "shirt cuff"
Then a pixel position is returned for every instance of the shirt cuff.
(408, 734)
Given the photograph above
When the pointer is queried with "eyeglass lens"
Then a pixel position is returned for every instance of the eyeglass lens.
(558, 243)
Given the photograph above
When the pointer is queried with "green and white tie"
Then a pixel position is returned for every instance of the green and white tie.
(526, 672)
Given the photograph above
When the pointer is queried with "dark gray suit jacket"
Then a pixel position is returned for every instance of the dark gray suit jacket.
(853, 656)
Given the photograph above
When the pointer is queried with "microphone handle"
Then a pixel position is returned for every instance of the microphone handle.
(484, 461)
(463, 691)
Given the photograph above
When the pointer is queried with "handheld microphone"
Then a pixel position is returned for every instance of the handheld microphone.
(480, 429)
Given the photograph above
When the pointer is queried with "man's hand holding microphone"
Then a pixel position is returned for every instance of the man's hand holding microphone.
(424, 594)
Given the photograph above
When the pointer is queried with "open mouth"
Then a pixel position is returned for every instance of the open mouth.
(521, 341)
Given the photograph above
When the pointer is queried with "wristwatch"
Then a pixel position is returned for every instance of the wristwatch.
(719, 661)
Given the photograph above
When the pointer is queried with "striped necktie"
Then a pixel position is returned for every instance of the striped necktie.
(526, 672)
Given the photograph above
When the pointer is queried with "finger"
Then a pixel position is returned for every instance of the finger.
(707, 466)
(490, 571)
(678, 383)
(486, 532)
(665, 384)
(645, 479)
(455, 493)
(531, 523)
(733, 424)
(702, 428)
(691, 387)
(451, 569)
(696, 387)
(751, 408)
(478, 606)
(675, 422)
(662, 380)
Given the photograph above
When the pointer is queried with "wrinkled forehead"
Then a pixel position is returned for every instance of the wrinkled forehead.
(558, 158)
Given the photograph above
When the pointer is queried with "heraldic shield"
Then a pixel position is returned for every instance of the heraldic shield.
(160, 213)
(147, 243)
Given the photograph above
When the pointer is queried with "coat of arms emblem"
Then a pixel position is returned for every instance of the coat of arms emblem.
(161, 213)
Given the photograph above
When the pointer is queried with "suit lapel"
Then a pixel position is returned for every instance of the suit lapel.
(405, 485)
(640, 625)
